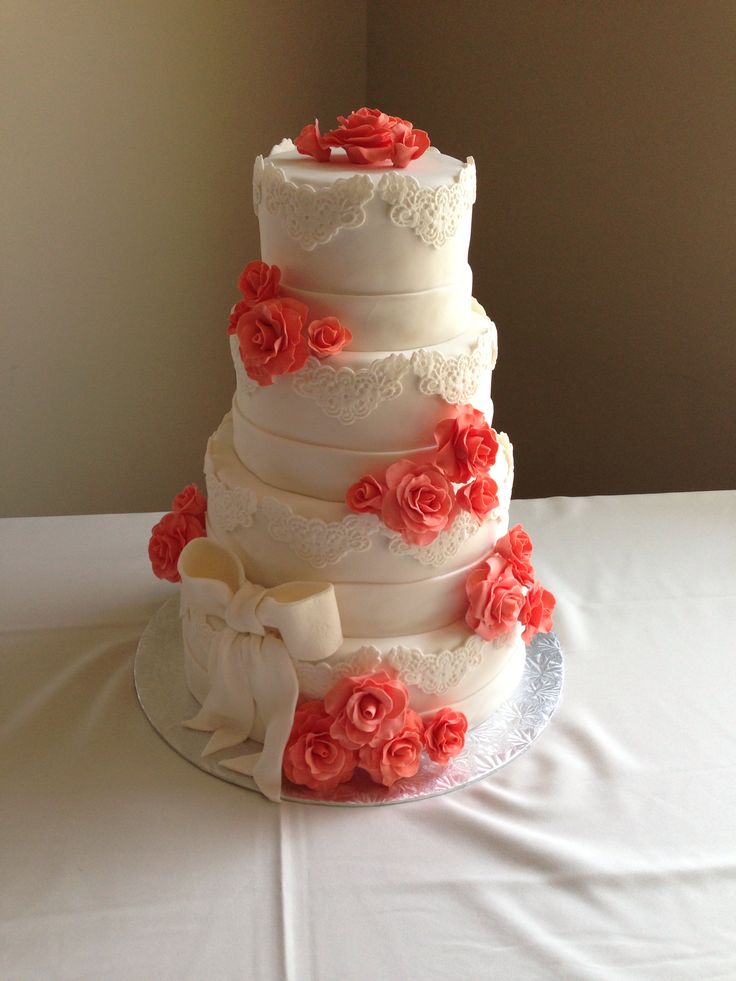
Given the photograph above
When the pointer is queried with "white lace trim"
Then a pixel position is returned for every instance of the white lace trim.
(312, 216)
(322, 543)
(318, 542)
(433, 213)
(346, 394)
(316, 677)
(445, 545)
(432, 673)
(455, 379)
(436, 673)
(235, 506)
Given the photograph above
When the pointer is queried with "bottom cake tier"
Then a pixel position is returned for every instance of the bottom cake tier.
(448, 668)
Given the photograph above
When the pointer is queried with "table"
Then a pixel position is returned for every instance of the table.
(607, 851)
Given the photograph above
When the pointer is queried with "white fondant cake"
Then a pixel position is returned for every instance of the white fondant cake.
(378, 254)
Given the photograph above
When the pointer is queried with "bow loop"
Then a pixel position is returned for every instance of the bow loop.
(251, 672)
(306, 616)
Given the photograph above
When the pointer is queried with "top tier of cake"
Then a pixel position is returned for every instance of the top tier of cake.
(385, 250)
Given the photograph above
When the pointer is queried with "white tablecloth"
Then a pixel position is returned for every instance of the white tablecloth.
(607, 851)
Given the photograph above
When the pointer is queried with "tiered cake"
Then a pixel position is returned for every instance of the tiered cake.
(358, 457)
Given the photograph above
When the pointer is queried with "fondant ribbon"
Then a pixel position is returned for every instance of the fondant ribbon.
(250, 667)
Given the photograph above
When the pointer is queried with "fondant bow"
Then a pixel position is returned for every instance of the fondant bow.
(250, 667)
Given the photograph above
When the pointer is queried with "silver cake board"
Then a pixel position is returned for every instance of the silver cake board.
(166, 701)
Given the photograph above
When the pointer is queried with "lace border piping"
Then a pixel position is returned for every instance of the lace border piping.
(433, 673)
(312, 216)
(322, 543)
(348, 395)
(433, 213)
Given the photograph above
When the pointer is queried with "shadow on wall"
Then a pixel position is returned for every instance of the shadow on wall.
(604, 235)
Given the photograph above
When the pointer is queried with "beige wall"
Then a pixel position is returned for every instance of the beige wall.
(130, 134)
(604, 237)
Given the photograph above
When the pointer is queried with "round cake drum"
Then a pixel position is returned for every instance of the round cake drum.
(166, 701)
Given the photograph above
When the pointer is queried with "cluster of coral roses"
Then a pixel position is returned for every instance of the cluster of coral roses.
(273, 335)
(504, 591)
(419, 500)
(368, 136)
(184, 522)
(365, 722)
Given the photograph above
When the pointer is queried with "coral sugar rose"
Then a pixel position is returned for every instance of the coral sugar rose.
(271, 340)
(495, 599)
(466, 445)
(365, 495)
(536, 614)
(444, 737)
(408, 143)
(241, 307)
(418, 502)
(190, 500)
(366, 710)
(259, 282)
(479, 497)
(312, 757)
(397, 757)
(311, 143)
(327, 336)
(168, 539)
(365, 136)
(516, 548)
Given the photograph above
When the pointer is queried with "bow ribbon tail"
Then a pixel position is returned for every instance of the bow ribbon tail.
(275, 690)
(228, 710)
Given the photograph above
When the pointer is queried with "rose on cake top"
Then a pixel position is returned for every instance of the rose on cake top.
(368, 136)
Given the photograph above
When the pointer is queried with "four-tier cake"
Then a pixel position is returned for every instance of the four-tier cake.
(352, 595)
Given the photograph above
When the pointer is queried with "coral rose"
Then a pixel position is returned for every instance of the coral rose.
(365, 136)
(495, 599)
(327, 336)
(190, 500)
(408, 143)
(368, 136)
(168, 539)
(419, 501)
(365, 495)
(311, 143)
(444, 737)
(397, 757)
(303, 718)
(466, 445)
(536, 614)
(270, 339)
(516, 548)
(479, 497)
(366, 710)
(259, 282)
(241, 307)
(312, 757)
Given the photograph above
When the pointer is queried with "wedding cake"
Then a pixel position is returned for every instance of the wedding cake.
(352, 595)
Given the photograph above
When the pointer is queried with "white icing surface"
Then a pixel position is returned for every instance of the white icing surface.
(290, 536)
(354, 399)
(347, 229)
(395, 321)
